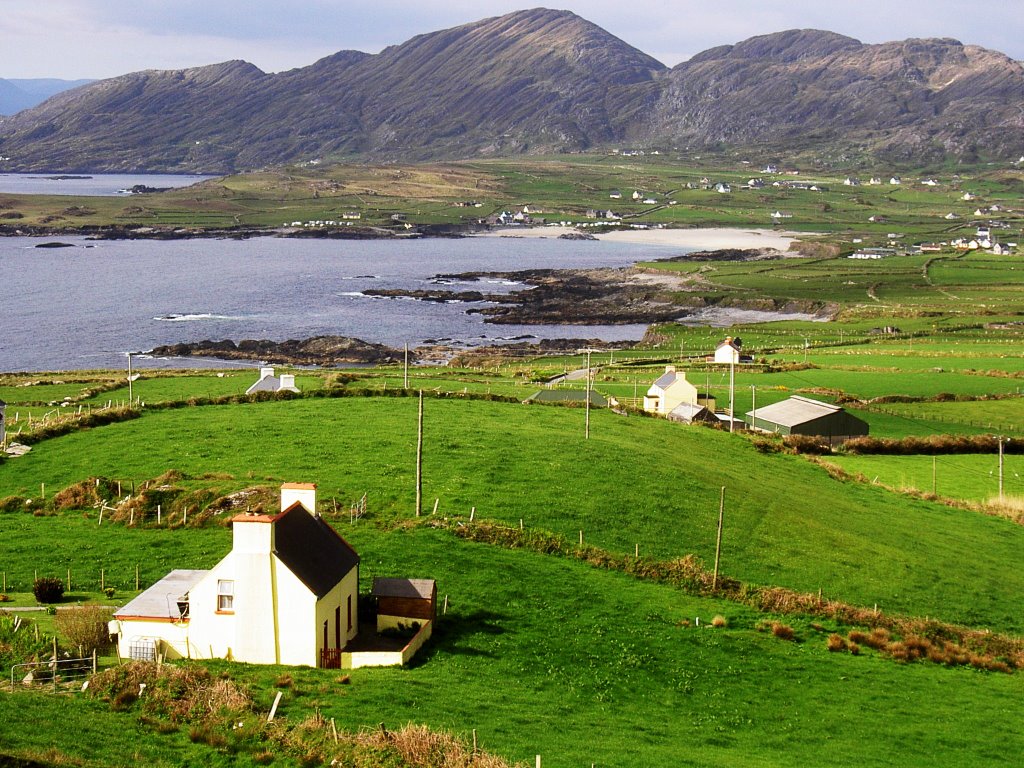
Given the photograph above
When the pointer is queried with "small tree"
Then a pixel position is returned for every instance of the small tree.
(48, 589)
(84, 626)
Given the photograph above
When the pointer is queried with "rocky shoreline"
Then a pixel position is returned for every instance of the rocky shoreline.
(626, 296)
(323, 351)
(135, 232)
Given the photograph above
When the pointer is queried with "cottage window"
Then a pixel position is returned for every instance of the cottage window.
(225, 596)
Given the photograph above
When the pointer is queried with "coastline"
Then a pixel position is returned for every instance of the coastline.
(709, 238)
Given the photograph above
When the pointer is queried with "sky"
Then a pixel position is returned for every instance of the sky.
(72, 39)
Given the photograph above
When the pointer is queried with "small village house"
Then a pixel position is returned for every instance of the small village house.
(268, 382)
(803, 416)
(670, 390)
(728, 351)
(286, 593)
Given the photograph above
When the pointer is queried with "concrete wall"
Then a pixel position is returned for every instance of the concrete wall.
(389, 658)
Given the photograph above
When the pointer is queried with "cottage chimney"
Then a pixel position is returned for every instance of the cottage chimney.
(670, 369)
(266, 373)
(304, 493)
(287, 380)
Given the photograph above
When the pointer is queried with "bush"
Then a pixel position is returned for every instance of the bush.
(48, 590)
(782, 631)
(84, 627)
(719, 622)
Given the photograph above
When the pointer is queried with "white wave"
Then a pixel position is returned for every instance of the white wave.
(187, 318)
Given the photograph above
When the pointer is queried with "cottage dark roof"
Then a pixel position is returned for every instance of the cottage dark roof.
(312, 550)
(416, 589)
(160, 601)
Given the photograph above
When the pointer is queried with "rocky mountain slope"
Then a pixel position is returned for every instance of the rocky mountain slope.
(531, 82)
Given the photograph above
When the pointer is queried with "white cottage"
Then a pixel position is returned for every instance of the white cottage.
(728, 351)
(285, 594)
(669, 391)
(268, 382)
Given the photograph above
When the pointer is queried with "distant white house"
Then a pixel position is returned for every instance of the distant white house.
(268, 382)
(781, 215)
(851, 181)
(670, 390)
(968, 196)
(728, 351)
(286, 593)
(895, 180)
(722, 188)
(615, 194)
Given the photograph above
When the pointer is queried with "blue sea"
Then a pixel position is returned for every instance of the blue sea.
(87, 305)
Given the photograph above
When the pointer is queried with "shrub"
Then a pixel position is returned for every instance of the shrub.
(719, 622)
(836, 643)
(48, 589)
(84, 626)
(782, 631)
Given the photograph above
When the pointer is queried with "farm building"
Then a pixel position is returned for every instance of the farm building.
(268, 382)
(671, 389)
(597, 400)
(729, 351)
(285, 594)
(803, 416)
(690, 413)
(402, 602)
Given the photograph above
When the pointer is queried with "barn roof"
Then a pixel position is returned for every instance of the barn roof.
(417, 589)
(795, 410)
(160, 601)
(312, 550)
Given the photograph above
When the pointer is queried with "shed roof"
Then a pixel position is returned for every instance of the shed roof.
(160, 601)
(312, 550)
(417, 589)
(691, 412)
(795, 410)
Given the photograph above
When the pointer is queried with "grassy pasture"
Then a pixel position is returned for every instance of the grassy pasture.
(637, 481)
(564, 188)
(547, 656)
(971, 477)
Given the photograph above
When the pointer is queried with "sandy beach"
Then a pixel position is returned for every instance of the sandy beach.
(712, 238)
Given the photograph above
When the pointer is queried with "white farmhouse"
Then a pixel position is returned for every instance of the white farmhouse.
(669, 391)
(286, 593)
(268, 382)
(728, 351)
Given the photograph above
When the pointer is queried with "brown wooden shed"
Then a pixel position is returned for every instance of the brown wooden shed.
(404, 601)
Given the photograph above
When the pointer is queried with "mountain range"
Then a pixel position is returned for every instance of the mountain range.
(16, 95)
(537, 81)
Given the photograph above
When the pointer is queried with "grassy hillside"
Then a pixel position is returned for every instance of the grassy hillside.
(637, 481)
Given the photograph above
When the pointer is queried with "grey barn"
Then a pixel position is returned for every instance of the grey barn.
(803, 416)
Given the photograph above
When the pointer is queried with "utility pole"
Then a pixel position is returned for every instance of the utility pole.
(753, 404)
(586, 433)
(732, 391)
(419, 457)
(1000, 467)
(405, 380)
(130, 398)
(718, 543)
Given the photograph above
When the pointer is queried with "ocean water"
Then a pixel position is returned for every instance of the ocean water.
(97, 184)
(87, 305)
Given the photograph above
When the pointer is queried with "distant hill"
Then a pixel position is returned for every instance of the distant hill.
(16, 95)
(534, 82)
